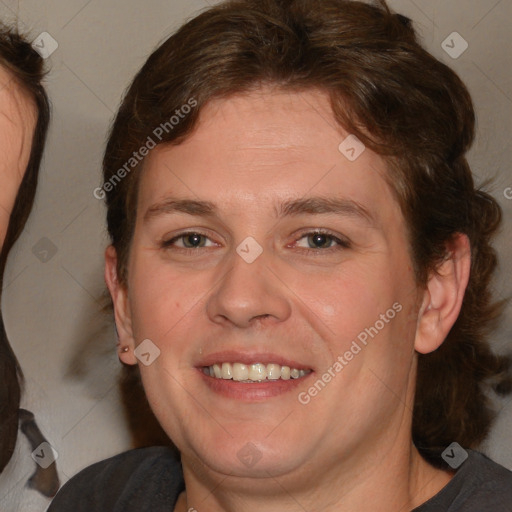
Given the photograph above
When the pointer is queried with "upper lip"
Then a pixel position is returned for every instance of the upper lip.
(248, 357)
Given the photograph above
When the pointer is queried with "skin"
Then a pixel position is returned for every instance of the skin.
(350, 447)
(18, 117)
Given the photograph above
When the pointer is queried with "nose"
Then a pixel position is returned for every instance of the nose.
(247, 294)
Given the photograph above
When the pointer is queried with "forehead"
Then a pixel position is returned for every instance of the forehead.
(16, 104)
(18, 117)
(266, 146)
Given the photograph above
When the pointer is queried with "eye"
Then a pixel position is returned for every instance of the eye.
(190, 240)
(310, 241)
(321, 240)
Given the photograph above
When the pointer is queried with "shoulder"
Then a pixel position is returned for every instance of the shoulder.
(479, 484)
(491, 481)
(129, 481)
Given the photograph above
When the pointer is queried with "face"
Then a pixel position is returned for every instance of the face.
(17, 123)
(257, 241)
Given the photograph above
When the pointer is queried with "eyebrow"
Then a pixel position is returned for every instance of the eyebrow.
(188, 206)
(310, 205)
(323, 205)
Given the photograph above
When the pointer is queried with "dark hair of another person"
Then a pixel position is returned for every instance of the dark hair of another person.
(404, 104)
(26, 67)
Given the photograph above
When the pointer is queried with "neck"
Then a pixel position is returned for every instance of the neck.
(388, 483)
(387, 474)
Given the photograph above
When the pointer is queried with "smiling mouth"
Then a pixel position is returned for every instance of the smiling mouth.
(256, 372)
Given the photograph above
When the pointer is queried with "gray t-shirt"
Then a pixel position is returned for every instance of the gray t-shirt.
(150, 479)
(479, 485)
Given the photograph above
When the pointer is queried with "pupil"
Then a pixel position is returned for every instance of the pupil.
(319, 240)
(193, 240)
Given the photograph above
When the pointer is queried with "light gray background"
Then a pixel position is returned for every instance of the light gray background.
(52, 310)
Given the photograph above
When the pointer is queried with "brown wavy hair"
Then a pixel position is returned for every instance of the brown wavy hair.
(26, 67)
(401, 102)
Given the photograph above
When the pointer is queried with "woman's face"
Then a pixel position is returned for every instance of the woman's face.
(17, 124)
(260, 240)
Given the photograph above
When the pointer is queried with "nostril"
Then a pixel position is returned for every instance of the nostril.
(261, 316)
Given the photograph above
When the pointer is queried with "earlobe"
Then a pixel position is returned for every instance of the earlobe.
(122, 314)
(442, 299)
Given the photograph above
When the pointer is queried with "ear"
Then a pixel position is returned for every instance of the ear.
(119, 294)
(442, 299)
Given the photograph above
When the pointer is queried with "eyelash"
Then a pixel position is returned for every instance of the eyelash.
(341, 243)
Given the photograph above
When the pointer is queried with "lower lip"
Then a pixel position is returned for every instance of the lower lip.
(251, 392)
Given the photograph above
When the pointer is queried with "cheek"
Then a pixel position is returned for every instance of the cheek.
(162, 298)
(10, 180)
(155, 310)
(365, 309)
(338, 306)
(4, 222)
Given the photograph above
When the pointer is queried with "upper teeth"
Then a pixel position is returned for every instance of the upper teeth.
(253, 372)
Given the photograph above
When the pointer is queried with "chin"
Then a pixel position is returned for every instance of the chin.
(255, 456)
